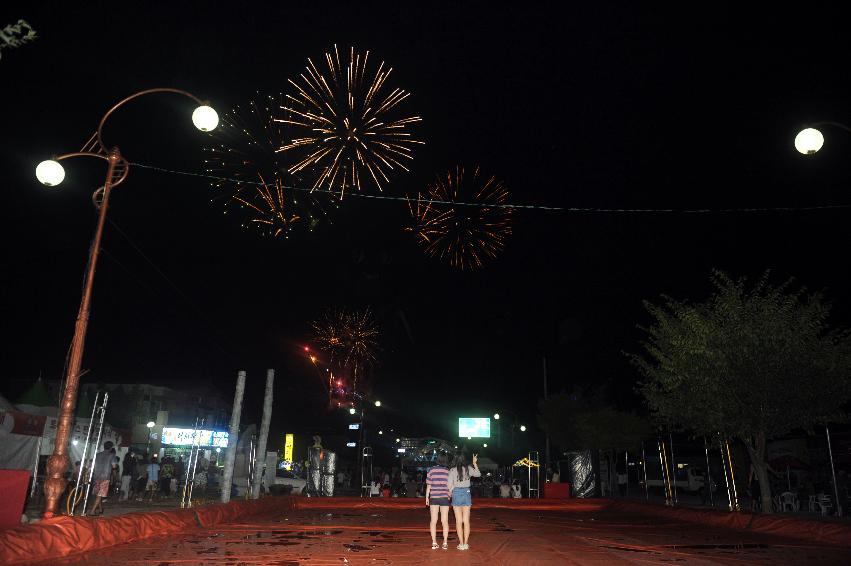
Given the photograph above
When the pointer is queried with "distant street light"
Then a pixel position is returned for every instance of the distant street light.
(496, 416)
(378, 403)
(151, 424)
(380, 432)
(51, 173)
(522, 428)
(398, 440)
(810, 140)
(352, 411)
(485, 445)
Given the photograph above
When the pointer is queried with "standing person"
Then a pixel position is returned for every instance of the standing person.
(166, 472)
(127, 469)
(459, 492)
(100, 476)
(153, 469)
(437, 499)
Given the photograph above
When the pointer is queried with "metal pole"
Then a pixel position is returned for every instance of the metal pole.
(726, 480)
(833, 473)
(644, 468)
(85, 452)
(233, 437)
(190, 469)
(708, 473)
(732, 476)
(57, 464)
(547, 434)
(264, 432)
(663, 461)
(626, 470)
(95, 448)
(35, 465)
(673, 467)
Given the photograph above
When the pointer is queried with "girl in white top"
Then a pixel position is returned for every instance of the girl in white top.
(459, 491)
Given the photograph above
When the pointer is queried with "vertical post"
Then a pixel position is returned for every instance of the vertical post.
(233, 437)
(644, 469)
(833, 472)
(732, 476)
(708, 474)
(57, 464)
(673, 467)
(260, 455)
(726, 480)
(547, 437)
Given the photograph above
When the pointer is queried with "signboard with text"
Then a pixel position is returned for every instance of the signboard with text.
(173, 436)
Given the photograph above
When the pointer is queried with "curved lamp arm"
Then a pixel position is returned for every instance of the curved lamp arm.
(125, 169)
(137, 95)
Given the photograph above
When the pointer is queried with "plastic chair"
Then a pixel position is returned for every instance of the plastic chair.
(788, 501)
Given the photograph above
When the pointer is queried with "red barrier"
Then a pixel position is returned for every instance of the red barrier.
(557, 490)
(833, 533)
(65, 536)
(13, 493)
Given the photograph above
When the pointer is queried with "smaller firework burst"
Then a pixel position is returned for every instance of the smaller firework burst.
(253, 179)
(465, 235)
(350, 337)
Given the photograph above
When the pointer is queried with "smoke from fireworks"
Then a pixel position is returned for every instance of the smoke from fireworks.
(257, 184)
(465, 236)
(350, 337)
(348, 132)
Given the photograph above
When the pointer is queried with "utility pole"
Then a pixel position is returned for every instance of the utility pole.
(547, 445)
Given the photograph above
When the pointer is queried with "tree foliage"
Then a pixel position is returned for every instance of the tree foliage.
(745, 361)
(575, 424)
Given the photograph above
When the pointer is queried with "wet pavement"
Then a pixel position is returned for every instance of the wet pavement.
(352, 531)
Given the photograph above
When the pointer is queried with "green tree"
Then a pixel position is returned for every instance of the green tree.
(751, 362)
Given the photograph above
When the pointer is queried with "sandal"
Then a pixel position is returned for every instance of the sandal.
(445, 545)
(434, 546)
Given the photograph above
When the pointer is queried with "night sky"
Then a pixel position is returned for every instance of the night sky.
(605, 107)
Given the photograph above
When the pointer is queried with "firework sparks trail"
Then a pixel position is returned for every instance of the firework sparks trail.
(465, 236)
(350, 337)
(348, 134)
(245, 153)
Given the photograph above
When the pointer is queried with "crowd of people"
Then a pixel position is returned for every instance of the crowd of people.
(138, 476)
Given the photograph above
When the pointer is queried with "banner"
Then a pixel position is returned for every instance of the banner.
(16, 422)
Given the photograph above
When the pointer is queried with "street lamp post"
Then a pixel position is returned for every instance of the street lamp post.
(51, 173)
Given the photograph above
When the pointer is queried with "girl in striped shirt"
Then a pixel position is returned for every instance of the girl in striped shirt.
(437, 498)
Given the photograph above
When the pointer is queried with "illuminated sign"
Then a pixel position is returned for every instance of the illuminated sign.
(474, 428)
(400, 450)
(288, 451)
(354, 426)
(188, 437)
(351, 444)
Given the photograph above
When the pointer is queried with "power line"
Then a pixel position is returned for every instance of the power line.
(544, 208)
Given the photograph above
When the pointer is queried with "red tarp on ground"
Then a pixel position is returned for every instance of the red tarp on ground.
(557, 490)
(64, 536)
(13, 493)
(781, 525)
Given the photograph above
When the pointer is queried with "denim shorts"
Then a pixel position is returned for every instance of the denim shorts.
(461, 497)
(442, 501)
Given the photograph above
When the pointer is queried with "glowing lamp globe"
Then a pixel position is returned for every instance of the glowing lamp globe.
(808, 141)
(50, 173)
(496, 416)
(378, 403)
(205, 118)
(522, 428)
(352, 411)
(151, 424)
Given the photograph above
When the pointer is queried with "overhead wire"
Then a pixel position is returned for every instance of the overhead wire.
(545, 208)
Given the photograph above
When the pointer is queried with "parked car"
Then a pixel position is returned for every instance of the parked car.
(287, 478)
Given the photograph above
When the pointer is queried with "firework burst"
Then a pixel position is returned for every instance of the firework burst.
(254, 180)
(348, 132)
(350, 337)
(464, 235)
